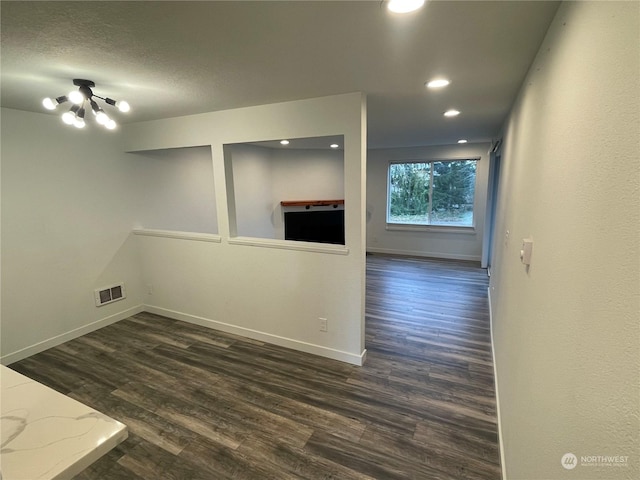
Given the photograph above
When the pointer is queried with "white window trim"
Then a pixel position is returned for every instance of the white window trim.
(407, 227)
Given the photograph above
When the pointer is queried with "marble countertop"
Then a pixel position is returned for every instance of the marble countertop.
(47, 435)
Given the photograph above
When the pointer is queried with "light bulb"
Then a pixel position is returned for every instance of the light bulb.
(334, 145)
(111, 124)
(123, 106)
(284, 142)
(68, 118)
(49, 104)
(52, 103)
(76, 97)
(102, 118)
(78, 122)
(451, 113)
(462, 140)
(404, 6)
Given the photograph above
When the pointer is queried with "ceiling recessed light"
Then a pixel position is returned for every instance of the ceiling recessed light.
(404, 6)
(334, 145)
(451, 113)
(284, 142)
(462, 140)
(438, 83)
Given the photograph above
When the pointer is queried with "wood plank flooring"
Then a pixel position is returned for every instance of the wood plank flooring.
(202, 404)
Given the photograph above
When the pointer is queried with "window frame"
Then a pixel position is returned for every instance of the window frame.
(428, 227)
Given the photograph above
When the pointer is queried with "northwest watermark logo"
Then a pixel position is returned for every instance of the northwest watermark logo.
(569, 461)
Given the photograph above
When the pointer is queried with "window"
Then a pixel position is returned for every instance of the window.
(432, 193)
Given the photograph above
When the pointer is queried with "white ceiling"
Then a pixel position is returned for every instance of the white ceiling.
(179, 58)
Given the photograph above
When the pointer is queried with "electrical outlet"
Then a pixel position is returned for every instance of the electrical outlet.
(323, 324)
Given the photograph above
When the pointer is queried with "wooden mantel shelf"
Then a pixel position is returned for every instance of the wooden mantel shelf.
(311, 203)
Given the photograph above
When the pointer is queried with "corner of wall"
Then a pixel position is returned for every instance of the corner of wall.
(43, 345)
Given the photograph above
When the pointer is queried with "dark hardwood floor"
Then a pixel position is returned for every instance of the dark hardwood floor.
(202, 404)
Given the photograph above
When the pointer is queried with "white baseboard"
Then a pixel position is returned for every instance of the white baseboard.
(495, 380)
(421, 253)
(327, 352)
(65, 337)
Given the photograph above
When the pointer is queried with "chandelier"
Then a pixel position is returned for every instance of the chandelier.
(81, 97)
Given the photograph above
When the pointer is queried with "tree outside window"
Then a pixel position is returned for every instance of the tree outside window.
(432, 193)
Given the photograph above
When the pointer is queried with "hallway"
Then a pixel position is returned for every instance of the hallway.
(428, 340)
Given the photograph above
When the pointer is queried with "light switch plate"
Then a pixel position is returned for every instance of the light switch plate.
(527, 250)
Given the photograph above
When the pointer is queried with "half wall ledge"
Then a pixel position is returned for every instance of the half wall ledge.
(201, 237)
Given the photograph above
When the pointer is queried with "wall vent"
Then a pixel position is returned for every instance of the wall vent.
(110, 294)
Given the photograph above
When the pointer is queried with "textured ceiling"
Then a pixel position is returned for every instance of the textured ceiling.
(179, 58)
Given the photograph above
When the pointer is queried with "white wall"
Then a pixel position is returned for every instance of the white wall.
(269, 289)
(464, 245)
(566, 330)
(175, 189)
(308, 175)
(253, 186)
(67, 199)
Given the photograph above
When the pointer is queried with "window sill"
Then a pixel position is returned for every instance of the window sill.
(401, 227)
(290, 245)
